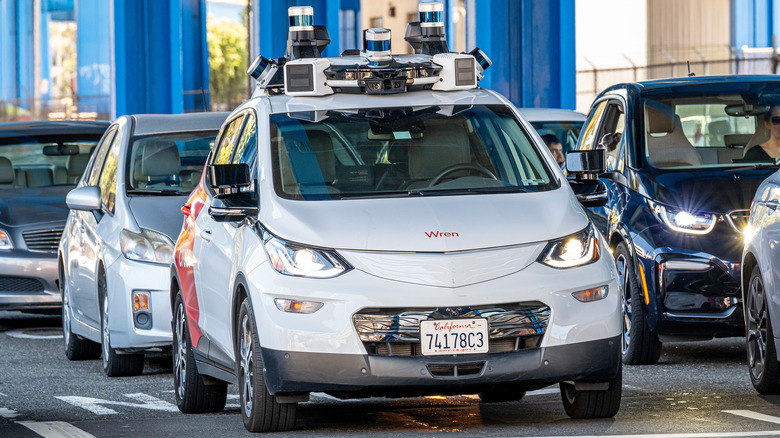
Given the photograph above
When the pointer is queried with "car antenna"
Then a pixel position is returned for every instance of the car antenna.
(203, 94)
(689, 69)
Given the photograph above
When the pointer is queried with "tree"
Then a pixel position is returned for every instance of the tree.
(227, 41)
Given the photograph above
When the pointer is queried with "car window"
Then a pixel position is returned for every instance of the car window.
(610, 132)
(565, 131)
(246, 150)
(227, 143)
(588, 136)
(406, 151)
(100, 157)
(169, 163)
(108, 174)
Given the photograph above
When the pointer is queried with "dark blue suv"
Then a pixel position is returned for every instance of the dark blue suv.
(684, 158)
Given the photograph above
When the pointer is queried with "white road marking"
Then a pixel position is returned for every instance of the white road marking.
(555, 390)
(8, 413)
(679, 435)
(235, 404)
(94, 405)
(21, 334)
(755, 416)
(56, 429)
(3, 395)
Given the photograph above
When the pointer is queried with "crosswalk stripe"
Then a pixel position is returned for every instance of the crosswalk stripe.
(55, 429)
(755, 416)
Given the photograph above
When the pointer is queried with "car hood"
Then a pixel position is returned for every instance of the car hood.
(33, 205)
(158, 213)
(426, 224)
(716, 191)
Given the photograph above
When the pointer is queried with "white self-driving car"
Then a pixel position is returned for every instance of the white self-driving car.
(379, 226)
(118, 240)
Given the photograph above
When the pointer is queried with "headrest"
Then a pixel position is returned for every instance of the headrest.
(76, 164)
(6, 171)
(658, 120)
(160, 158)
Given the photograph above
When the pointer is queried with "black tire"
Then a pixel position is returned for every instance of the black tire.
(640, 345)
(501, 395)
(115, 364)
(192, 394)
(76, 347)
(592, 404)
(761, 350)
(259, 409)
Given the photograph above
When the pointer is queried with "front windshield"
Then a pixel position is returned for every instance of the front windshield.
(406, 151)
(167, 163)
(712, 128)
(32, 161)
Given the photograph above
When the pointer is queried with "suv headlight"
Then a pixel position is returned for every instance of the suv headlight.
(146, 246)
(681, 220)
(291, 259)
(574, 250)
(5, 241)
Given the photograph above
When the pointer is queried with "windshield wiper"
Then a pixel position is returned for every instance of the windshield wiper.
(166, 192)
(471, 191)
(757, 166)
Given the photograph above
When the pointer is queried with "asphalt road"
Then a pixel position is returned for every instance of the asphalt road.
(698, 389)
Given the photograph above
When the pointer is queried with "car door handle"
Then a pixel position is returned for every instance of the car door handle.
(206, 235)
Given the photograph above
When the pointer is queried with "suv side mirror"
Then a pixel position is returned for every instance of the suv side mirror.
(586, 162)
(227, 180)
(85, 198)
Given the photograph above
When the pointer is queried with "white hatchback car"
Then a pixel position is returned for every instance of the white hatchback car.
(116, 249)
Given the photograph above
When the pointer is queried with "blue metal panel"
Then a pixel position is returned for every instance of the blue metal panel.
(272, 23)
(8, 53)
(25, 58)
(94, 57)
(195, 53)
(753, 22)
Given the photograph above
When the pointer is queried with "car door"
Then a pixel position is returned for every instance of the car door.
(91, 241)
(214, 250)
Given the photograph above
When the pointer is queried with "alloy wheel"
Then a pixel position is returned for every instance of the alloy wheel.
(621, 262)
(247, 365)
(756, 328)
(180, 352)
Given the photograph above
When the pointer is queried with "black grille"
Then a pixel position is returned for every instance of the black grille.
(455, 370)
(20, 284)
(45, 240)
(396, 332)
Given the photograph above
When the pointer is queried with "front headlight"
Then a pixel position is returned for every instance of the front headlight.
(5, 241)
(296, 260)
(681, 220)
(575, 250)
(146, 246)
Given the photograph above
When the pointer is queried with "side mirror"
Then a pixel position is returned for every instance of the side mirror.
(85, 198)
(233, 211)
(586, 162)
(590, 192)
(227, 180)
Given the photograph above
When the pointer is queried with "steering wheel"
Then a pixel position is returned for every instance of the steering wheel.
(458, 167)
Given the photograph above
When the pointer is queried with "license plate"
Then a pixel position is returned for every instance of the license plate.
(454, 336)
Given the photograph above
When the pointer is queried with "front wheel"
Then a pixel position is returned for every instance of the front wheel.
(115, 364)
(762, 355)
(259, 409)
(640, 345)
(603, 403)
(192, 393)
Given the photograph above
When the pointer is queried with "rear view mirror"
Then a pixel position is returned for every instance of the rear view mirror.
(61, 149)
(229, 179)
(745, 110)
(586, 162)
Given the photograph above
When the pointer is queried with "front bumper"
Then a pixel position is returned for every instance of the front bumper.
(353, 375)
(124, 277)
(29, 281)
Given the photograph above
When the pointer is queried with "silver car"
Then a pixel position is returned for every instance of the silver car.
(40, 162)
(115, 252)
(761, 286)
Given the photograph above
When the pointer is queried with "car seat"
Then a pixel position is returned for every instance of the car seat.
(7, 174)
(667, 145)
(160, 163)
(440, 147)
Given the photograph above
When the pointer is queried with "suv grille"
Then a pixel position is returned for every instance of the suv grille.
(20, 284)
(45, 240)
(456, 370)
(396, 332)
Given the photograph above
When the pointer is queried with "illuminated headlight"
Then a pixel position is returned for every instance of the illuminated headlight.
(575, 250)
(146, 246)
(748, 233)
(301, 261)
(5, 241)
(683, 221)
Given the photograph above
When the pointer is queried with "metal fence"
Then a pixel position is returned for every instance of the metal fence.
(746, 61)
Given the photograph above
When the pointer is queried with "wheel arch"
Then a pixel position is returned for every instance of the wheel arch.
(240, 292)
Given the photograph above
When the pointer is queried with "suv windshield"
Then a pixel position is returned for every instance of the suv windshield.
(709, 127)
(167, 163)
(44, 161)
(406, 151)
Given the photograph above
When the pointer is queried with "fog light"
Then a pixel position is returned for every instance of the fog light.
(594, 294)
(140, 301)
(295, 306)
